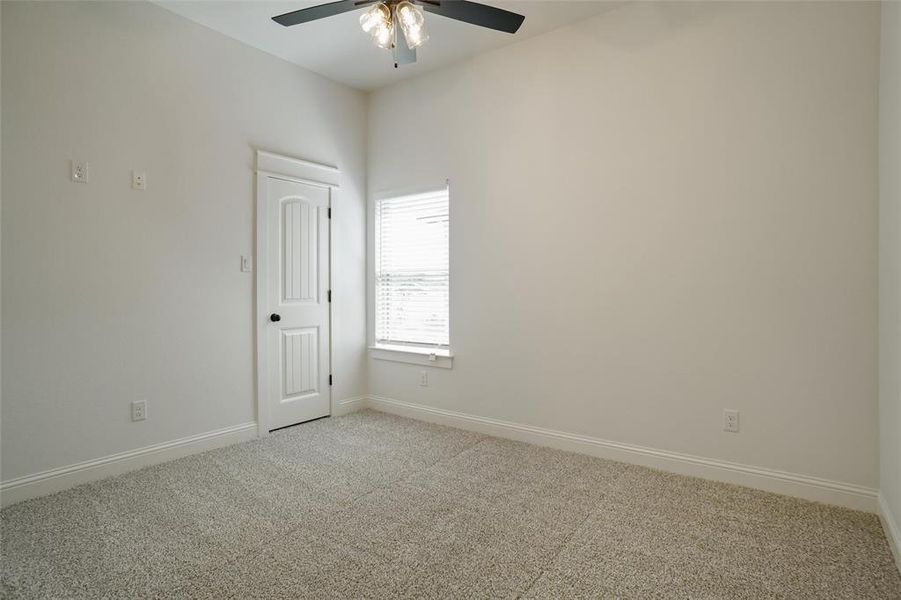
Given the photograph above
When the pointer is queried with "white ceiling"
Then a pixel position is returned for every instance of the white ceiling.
(337, 48)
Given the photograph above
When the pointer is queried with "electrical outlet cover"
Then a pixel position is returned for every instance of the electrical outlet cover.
(730, 421)
(138, 410)
(79, 171)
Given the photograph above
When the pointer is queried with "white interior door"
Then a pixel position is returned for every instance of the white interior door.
(296, 311)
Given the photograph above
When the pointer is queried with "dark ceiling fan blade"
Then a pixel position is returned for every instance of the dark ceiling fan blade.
(475, 13)
(322, 11)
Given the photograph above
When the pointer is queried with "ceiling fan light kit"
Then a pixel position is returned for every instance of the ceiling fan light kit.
(399, 25)
(382, 20)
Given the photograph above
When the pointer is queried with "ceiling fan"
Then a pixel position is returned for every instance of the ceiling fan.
(399, 25)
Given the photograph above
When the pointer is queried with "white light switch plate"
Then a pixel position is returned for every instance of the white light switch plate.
(247, 264)
(138, 181)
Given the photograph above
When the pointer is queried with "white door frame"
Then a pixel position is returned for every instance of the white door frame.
(288, 168)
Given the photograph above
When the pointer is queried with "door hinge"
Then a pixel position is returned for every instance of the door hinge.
(330, 379)
(329, 212)
(330, 295)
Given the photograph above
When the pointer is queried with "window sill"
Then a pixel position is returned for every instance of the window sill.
(442, 358)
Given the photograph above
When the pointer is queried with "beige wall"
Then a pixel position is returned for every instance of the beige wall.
(1, 221)
(657, 214)
(677, 215)
(890, 261)
(112, 295)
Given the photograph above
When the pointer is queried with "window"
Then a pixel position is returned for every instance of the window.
(412, 278)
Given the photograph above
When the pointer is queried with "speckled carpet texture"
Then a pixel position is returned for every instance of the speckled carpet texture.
(375, 506)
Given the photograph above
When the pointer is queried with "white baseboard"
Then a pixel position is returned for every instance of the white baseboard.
(348, 405)
(890, 526)
(54, 480)
(780, 482)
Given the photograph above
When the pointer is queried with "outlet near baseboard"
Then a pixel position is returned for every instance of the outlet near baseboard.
(138, 410)
(730, 421)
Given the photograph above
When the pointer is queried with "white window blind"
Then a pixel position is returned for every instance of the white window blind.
(411, 271)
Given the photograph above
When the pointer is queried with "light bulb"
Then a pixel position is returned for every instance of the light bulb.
(416, 37)
(412, 22)
(383, 35)
(376, 16)
(408, 15)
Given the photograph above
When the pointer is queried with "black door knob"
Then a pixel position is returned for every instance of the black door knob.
(275, 317)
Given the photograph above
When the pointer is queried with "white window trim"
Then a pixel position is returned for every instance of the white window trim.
(415, 355)
(442, 357)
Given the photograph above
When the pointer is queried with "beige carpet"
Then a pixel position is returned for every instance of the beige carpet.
(375, 506)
